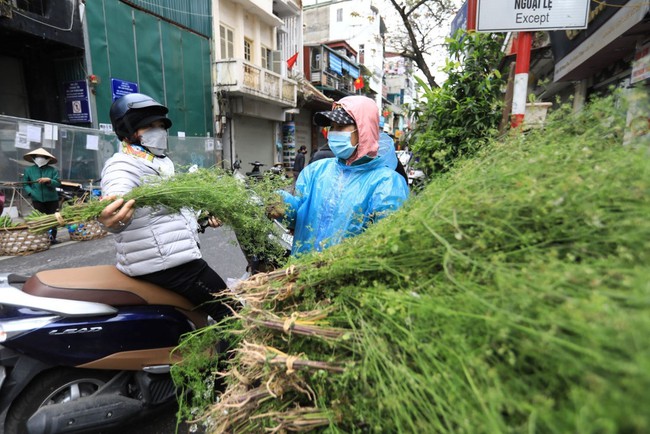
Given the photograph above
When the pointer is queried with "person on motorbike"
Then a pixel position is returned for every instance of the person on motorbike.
(155, 245)
(339, 197)
(41, 180)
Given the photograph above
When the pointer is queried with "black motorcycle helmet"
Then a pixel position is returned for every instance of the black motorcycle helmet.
(136, 110)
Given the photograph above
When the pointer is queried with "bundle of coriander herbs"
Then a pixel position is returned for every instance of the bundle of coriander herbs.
(512, 295)
(211, 191)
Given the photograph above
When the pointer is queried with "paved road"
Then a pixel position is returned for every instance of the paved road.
(219, 249)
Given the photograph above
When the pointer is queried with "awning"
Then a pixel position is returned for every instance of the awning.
(336, 64)
(352, 70)
(313, 98)
(612, 41)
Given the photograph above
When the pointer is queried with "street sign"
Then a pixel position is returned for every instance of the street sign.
(531, 15)
(120, 88)
(77, 107)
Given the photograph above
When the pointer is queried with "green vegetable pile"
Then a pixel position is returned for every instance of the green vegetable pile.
(7, 222)
(512, 295)
(212, 191)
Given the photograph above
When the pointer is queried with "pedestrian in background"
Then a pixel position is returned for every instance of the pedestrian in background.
(299, 162)
(155, 245)
(41, 181)
(322, 152)
(340, 197)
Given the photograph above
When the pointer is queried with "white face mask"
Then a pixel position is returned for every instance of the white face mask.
(41, 161)
(155, 140)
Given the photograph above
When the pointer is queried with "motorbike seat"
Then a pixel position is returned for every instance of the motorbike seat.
(102, 284)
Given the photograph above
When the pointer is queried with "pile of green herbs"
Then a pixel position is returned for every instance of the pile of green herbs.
(208, 191)
(511, 295)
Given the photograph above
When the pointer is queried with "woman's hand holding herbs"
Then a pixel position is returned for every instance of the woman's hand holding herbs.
(214, 222)
(117, 214)
(275, 208)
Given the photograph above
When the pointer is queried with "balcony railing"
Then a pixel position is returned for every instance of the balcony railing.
(334, 81)
(242, 78)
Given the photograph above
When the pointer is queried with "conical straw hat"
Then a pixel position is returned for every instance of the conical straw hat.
(40, 152)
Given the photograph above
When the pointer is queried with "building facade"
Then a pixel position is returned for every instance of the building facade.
(219, 65)
(399, 94)
(357, 23)
(65, 61)
(252, 90)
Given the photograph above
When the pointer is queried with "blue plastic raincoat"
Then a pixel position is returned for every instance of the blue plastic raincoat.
(333, 201)
(334, 198)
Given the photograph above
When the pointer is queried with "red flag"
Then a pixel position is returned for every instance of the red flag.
(292, 60)
(358, 83)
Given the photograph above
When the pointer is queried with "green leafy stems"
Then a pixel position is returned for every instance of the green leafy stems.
(211, 191)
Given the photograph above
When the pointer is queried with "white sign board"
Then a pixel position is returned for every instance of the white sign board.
(531, 15)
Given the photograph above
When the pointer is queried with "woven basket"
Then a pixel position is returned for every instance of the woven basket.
(86, 231)
(18, 241)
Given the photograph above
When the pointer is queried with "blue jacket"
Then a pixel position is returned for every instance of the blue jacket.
(333, 201)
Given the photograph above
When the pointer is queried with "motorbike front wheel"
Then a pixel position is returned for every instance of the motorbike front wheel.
(52, 387)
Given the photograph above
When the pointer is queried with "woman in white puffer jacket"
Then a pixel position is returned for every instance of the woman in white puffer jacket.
(153, 244)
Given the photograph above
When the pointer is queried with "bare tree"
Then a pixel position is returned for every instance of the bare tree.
(418, 32)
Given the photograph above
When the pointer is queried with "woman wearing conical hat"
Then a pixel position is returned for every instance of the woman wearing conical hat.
(41, 181)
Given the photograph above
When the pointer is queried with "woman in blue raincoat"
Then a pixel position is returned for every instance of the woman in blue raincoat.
(339, 197)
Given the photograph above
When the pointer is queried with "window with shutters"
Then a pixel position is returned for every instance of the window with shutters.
(248, 52)
(227, 45)
(267, 58)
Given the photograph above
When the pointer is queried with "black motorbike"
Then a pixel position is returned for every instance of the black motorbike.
(88, 348)
(73, 192)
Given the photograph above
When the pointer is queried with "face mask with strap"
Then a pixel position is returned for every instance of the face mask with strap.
(340, 143)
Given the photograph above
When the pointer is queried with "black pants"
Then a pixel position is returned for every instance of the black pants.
(47, 208)
(195, 281)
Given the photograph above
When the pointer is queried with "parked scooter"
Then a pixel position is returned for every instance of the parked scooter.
(72, 192)
(86, 348)
(256, 172)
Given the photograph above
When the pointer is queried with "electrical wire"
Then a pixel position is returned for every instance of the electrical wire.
(49, 25)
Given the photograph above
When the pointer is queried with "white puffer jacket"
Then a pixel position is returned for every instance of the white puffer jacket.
(155, 239)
